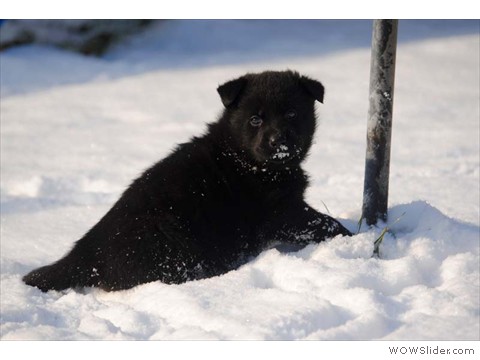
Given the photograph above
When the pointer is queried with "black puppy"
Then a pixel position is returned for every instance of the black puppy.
(215, 202)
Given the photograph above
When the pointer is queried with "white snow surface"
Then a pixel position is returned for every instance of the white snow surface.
(75, 131)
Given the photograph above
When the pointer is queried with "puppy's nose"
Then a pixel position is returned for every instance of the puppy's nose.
(276, 140)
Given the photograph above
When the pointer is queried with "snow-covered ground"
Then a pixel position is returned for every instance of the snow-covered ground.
(75, 131)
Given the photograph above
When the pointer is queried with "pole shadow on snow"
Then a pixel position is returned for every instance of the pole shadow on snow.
(197, 43)
(187, 44)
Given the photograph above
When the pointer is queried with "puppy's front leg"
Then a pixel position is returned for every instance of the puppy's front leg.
(316, 227)
(301, 224)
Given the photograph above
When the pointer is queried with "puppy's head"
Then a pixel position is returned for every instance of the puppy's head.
(271, 115)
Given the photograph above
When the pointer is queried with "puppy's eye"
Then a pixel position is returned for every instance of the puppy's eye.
(256, 121)
(291, 114)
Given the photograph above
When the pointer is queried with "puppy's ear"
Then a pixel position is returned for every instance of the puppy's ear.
(230, 91)
(314, 88)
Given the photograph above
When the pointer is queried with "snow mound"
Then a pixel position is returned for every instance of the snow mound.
(333, 290)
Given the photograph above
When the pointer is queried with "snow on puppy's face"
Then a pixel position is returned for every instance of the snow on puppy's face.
(272, 115)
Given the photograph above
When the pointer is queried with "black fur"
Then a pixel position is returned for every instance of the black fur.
(215, 202)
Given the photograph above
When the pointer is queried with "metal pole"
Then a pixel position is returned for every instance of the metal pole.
(379, 126)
